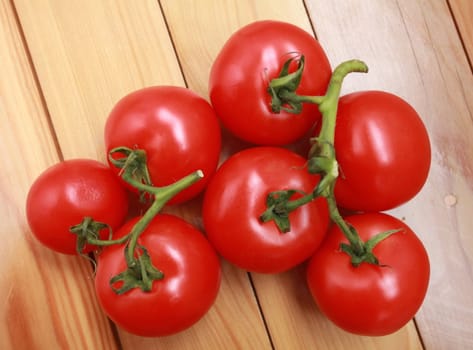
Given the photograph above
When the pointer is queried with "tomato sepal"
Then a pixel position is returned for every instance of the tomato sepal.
(366, 255)
(88, 232)
(286, 84)
(140, 273)
(279, 205)
(133, 167)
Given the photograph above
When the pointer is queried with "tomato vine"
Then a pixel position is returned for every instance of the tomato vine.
(322, 157)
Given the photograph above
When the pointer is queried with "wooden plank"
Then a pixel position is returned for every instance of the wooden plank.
(89, 54)
(462, 11)
(292, 318)
(46, 300)
(416, 53)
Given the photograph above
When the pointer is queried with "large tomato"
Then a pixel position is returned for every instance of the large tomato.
(368, 299)
(177, 128)
(383, 151)
(240, 74)
(236, 197)
(67, 192)
(189, 288)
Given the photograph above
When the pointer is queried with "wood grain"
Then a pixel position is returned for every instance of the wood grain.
(46, 299)
(88, 55)
(423, 61)
(126, 46)
(63, 65)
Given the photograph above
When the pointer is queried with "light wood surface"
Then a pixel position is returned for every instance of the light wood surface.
(63, 64)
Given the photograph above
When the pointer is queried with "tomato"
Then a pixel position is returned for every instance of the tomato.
(368, 299)
(67, 192)
(236, 197)
(189, 288)
(240, 74)
(177, 128)
(383, 151)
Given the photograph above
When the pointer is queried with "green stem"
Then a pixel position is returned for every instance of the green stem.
(328, 104)
(322, 157)
(324, 146)
(140, 272)
(161, 196)
(107, 242)
(352, 236)
(283, 91)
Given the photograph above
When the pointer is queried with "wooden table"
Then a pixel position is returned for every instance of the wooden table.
(63, 65)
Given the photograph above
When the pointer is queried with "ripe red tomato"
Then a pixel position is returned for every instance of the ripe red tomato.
(240, 75)
(189, 288)
(368, 299)
(177, 128)
(67, 192)
(236, 197)
(383, 151)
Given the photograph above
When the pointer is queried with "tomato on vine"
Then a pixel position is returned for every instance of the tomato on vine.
(66, 193)
(370, 299)
(382, 149)
(176, 128)
(185, 287)
(235, 203)
(240, 76)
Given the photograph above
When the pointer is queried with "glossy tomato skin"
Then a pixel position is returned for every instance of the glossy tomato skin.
(370, 300)
(176, 127)
(67, 192)
(240, 74)
(236, 197)
(189, 288)
(383, 151)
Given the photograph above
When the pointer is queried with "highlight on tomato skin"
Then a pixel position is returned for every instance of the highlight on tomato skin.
(240, 76)
(189, 288)
(370, 300)
(65, 193)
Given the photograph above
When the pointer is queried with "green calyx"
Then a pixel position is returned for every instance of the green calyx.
(365, 255)
(322, 158)
(88, 232)
(139, 274)
(279, 205)
(134, 169)
(286, 84)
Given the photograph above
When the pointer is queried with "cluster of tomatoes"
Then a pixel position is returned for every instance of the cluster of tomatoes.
(266, 208)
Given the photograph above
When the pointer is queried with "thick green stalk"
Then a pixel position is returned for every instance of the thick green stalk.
(161, 196)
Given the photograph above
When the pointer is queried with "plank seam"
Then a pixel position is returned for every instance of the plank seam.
(174, 47)
(37, 82)
(459, 33)
(311, 22)
(260, 309)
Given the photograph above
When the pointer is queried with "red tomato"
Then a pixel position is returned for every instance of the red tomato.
(236, 197)
(240, 75)
(67, 192)
(383, 151)
(189, 288)
(368, 299)
(177, 128)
